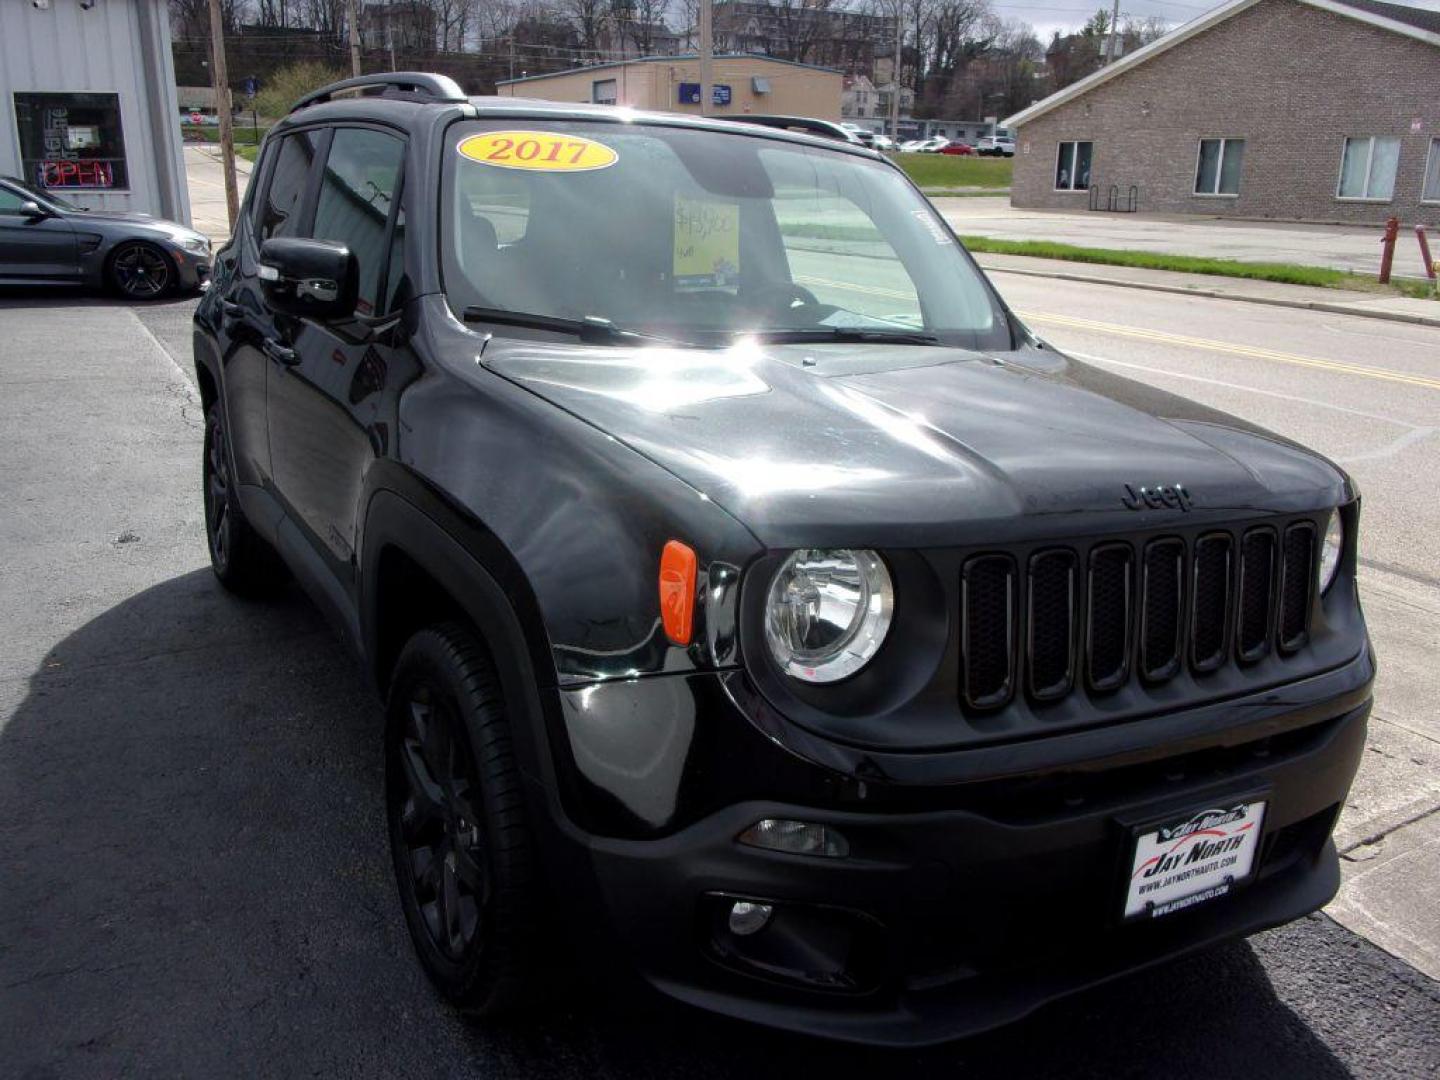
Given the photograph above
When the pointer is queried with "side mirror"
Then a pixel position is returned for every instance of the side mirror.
(308, 278)
(32, 209)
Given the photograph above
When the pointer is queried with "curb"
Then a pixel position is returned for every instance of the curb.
(1216, 294)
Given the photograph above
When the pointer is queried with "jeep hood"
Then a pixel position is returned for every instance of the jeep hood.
(835, 444)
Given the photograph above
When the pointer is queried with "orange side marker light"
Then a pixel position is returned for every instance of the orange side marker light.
(677, 591)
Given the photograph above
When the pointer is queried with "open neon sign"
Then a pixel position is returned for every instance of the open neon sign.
(76, 172)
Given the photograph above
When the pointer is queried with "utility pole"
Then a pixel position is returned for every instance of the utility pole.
(390, 34)
(1112, 44)
(895, 73)
(354, 21)
(707, 51)
(220, 81)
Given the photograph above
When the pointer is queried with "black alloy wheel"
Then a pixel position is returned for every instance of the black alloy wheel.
(241, 559)
(459, 840)
(141, 271)
(440, 825)
(218, 519)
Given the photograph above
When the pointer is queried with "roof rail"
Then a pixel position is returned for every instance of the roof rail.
(423, 84)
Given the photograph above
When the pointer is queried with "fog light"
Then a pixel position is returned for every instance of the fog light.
(796, 838)
(748, 918)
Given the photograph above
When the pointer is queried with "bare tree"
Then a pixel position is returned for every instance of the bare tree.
(191, 18)
(589, 17)
(1138, 32)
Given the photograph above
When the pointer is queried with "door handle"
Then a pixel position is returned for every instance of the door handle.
(281, 354)
(231, 309)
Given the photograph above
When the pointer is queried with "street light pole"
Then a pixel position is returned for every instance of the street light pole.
(220, 81)
(354, 21)
(707, 49)
(1112, 44)
(895, 73)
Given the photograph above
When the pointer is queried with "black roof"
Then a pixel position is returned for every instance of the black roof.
(1410, 16)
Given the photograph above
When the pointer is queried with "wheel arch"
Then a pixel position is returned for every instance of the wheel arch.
(421, 561)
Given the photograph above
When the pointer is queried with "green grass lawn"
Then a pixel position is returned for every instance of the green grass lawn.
(939, 171)
(1285, 273)
(245, 134)
(248, 152)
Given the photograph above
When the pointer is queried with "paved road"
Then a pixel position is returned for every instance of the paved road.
(1344, 247)
(195, 880)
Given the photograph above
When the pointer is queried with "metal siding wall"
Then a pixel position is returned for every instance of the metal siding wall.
(97, 51)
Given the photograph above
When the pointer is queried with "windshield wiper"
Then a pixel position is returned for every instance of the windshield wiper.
(844, 334)
(592, 328)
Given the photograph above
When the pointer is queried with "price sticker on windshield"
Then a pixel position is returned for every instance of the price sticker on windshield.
(540, 151)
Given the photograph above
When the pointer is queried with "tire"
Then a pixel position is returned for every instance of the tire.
(242, 561)
(140, 271)
(459, 841)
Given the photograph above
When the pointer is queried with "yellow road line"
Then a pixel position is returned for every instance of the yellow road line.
(869, 290)
(1185, 341)
(1161, 337)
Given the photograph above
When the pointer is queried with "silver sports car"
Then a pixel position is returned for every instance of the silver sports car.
(47, 240)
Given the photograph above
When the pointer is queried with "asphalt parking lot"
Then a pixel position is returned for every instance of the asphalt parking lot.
(191, 830)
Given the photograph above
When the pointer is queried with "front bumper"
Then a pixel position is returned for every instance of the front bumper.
(967, 916)
(192, 269)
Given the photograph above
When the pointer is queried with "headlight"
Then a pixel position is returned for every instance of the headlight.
(827, 613)
(197, 244)
(1331, 549)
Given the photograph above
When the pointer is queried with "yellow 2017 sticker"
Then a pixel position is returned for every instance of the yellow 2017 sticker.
(543, 151)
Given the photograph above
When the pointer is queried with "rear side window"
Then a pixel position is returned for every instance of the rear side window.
(357, 192)
(280, 209)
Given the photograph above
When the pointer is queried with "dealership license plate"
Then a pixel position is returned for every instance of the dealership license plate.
(1192, 859)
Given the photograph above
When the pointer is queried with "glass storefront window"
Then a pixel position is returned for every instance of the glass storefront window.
(72, 141)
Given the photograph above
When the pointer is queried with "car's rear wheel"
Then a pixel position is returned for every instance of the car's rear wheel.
(141, 271)
(241, 559)
(458, 836)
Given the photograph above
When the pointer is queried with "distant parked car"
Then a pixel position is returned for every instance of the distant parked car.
(958, 148)
(807, 125)
(933, 145)
(47, 240)
(884, 142)
(910, 146)
(995, 147)
(865, 135)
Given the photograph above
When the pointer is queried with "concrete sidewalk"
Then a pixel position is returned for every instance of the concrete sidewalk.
(1376, 305)
(1341, 247)
(206, 178)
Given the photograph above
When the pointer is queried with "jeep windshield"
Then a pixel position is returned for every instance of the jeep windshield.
(699, 236)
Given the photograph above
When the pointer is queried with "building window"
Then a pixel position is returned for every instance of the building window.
(604, 92)
(72, 141)
(1218, 170)
(1072, 166)
(1431, 191)
(1367, 168)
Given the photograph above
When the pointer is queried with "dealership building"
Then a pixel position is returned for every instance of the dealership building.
(87, 95)
(1314, 110)
(741, 83)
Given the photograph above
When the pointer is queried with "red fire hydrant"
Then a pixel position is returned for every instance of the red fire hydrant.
(1387, 248)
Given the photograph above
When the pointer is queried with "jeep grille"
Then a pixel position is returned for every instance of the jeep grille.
(1096, 618)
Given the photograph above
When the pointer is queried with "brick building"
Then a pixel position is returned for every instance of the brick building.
(1319, 110)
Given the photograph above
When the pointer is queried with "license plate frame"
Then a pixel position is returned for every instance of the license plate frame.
(1230, 833)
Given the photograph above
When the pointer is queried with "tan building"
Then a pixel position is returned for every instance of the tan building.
(1323, 110)
(741, 84)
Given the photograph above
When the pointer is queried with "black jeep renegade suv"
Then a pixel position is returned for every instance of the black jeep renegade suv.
(757, 601)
